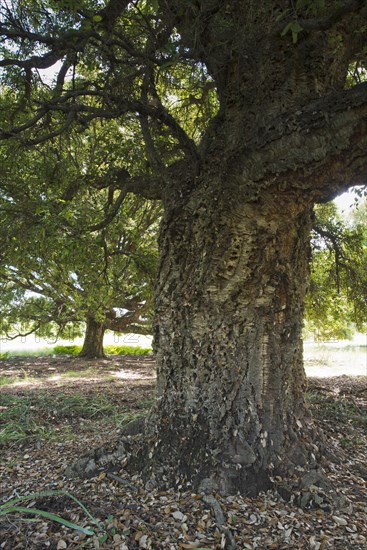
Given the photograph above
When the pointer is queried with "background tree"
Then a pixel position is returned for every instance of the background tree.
(60, 264)
(359, 213)
(336, 303)
(286, 131)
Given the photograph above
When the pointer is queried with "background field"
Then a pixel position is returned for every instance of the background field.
(322, 359)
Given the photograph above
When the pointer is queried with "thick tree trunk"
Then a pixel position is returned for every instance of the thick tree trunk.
(93, 340)
(230, 408)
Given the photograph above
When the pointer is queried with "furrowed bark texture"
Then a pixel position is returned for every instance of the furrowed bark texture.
(228, 340)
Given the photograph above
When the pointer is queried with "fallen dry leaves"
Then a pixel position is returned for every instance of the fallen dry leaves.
(137, 516)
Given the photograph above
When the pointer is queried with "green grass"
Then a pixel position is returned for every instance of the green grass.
(86, 406)
(40, 352)
(75, 349)
(145, 403)
(127, 350)
(340, 348)
(85, 373)
(37, 416)
(67, 350)
(43, 416)
(341, 409)
(15, 505)
(20, 420)
(7, 380)
(125, 418)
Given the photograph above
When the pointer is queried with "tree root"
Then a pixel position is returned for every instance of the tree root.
(220, 521)
(313, 490)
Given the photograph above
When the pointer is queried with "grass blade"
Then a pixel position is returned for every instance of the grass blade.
(47, 515)
(52, 492)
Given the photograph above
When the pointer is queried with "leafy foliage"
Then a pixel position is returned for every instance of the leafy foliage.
(337, 299)
(111, 349)
(130, 105)
(64, 260)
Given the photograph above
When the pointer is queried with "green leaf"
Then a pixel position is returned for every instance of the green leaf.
(295, 28)
(286, 29)
(167, 64)
(154, 4)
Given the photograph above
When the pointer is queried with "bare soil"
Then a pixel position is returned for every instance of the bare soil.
(68, 406)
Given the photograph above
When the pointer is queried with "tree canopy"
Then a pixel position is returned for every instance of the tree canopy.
(65, 261)
(155, 69)
(336, 303)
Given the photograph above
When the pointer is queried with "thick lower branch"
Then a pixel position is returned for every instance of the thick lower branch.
(320, 149)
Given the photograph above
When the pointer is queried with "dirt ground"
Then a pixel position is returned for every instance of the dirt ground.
(54, 409)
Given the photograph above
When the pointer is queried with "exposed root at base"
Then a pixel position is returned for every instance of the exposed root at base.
(307, 490)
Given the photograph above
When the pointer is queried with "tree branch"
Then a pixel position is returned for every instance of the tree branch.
(34, 62)
(131, 321)
(149, 187)
(21, 334)
(342, 10)
(325, 144)
(112, 11)
(13, 34)
(110, 216)
(72, 109)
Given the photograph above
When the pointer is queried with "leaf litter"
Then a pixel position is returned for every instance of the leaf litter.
(122, 511)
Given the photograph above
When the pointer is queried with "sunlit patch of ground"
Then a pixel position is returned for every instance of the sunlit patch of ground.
(335, 359)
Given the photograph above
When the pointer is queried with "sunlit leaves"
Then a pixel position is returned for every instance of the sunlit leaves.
(46, 245)
(105, 73)
(337, 298)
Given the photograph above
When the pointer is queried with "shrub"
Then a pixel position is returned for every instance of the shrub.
(110, 350)
(67, 350)
(127, 350)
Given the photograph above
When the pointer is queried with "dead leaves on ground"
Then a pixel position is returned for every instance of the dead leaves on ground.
(134, 516)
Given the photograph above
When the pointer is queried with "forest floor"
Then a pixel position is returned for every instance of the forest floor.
(54, 409)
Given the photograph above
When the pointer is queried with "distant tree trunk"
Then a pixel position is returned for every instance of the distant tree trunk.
(93, 340)
(230, 408)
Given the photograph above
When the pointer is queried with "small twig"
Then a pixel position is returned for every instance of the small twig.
(119, 479)
(150, 525)
(217, 509)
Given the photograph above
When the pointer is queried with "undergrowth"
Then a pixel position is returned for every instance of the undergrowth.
(109, 350)
(336, 407)
(75, 349)
(15, 506)
(42, 416)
